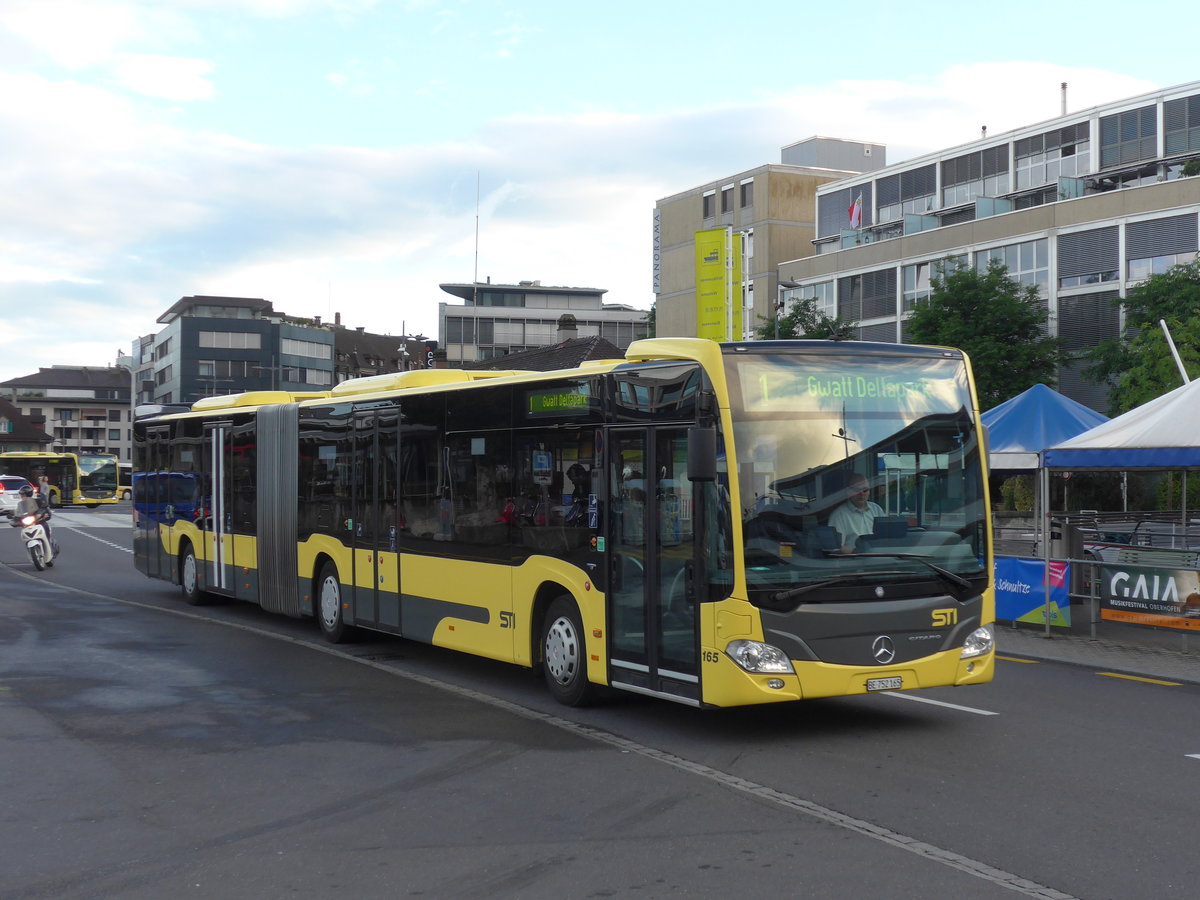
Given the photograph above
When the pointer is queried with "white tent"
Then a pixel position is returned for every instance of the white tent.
(1161, 434)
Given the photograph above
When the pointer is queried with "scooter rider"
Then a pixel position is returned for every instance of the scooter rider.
(36, 505)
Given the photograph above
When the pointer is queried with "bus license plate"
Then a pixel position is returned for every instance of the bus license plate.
(884, 684)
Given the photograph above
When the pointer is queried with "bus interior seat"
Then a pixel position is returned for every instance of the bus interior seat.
(890, 527)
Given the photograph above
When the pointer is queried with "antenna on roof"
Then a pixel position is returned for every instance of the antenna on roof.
(1064, 98)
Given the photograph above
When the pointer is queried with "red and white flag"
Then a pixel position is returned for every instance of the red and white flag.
(856, 212)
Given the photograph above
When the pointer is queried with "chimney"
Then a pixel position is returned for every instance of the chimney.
(317, 320)
(337, 319)
(567, 331)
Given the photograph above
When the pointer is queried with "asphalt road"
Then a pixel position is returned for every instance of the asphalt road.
(151, 749)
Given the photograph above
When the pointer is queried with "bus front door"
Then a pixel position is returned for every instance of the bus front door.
(652, 614)
(373, 528)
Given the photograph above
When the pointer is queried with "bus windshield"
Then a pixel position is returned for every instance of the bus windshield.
(856, 470)
(97, 473)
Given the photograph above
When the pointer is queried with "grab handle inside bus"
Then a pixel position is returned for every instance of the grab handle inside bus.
(702, 453)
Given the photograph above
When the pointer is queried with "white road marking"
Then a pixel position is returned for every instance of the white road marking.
(915, 699)
(1193, 755)
(91, 519)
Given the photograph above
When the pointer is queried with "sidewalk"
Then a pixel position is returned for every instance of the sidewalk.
(1148, 652)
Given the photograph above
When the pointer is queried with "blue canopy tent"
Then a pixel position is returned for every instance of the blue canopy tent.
(1021, 428)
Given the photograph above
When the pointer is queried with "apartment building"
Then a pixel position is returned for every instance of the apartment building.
(84, 409)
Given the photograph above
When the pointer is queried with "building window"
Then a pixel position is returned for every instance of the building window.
(1181, 125)
(980, 174)
(1129, 137)
(230, 340)
(114, 415)
(162, 376)
(162, 349)
(747, 194)
(1088, 257)
(822, 294)
(67, 415)
(727, 199)
(460, 330)
(225, 368)
(906, 193)
(1044, 158)
(318, 376)
(1027, 262)
(1141, 269)
(709, 201)
(114, 434)
(1153, 246)
(309, 349)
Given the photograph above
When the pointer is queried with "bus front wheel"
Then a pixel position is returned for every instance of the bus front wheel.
(329, 606)
(564, 656)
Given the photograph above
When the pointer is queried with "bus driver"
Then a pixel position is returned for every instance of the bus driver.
(856, 516)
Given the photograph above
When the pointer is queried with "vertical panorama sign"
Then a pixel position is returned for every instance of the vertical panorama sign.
(718, 272)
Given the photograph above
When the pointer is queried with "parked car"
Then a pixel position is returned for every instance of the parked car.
(10, 491)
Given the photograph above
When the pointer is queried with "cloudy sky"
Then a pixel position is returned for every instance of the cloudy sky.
(334, 156)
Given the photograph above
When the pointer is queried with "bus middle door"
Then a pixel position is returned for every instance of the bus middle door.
(373, 528)
(652, 621)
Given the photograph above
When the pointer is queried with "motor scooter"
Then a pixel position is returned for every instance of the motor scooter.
(33, 530)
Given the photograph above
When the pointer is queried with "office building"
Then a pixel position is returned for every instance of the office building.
(1084, 206)
(226, 345)
(498, 319)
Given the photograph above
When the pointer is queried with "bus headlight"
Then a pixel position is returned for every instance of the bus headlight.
(978, 642)
(755, 656)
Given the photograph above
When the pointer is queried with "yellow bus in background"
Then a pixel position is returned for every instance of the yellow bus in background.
(76, 479)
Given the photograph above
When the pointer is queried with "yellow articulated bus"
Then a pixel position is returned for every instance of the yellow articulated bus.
(714, 524)
(76, 479)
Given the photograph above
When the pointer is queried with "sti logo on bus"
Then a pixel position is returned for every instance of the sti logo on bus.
(508, 620)
(944, 617)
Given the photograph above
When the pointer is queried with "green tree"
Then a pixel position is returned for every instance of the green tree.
(651, 321)
(998, 322)
(1142, 367)
(803, 321)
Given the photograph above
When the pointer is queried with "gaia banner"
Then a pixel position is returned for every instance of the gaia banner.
(1165, 598)
(1021, 591)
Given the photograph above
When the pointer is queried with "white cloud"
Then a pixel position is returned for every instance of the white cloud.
(168, 77)
(104, 209)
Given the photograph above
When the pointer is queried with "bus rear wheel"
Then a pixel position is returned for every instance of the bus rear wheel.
(329, 606)
(564, 656)
(189, 578)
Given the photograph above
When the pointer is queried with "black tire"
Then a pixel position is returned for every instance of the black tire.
(38, 555)
(189, 577)
(564, 654)
(328, 606)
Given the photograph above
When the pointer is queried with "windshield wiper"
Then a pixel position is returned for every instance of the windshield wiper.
(784, 596)
(944, 574)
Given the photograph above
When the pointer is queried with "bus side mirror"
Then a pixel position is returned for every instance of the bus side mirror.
(702, 453)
